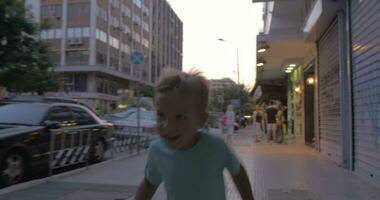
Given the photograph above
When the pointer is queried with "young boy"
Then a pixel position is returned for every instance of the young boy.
(190, 163)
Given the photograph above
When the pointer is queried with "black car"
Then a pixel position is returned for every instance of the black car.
(34, 136)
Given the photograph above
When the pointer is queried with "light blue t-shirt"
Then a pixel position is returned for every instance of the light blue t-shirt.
(196, 173)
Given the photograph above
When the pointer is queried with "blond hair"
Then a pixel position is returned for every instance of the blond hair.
(187, 83)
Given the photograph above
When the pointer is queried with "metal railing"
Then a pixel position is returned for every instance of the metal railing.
(71, 147)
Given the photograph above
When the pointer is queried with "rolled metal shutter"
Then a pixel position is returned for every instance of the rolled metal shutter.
(365, 26)
(329, 94)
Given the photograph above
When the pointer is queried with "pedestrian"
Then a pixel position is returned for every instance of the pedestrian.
(222, 121)
(190, 163)
(279, 124)
(257, 118)
(285, 123)
(230, 119)
(270, 118)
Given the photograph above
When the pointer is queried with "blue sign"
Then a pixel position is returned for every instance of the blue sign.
(235, 103)
(137, 58)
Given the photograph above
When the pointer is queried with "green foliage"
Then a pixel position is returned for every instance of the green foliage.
(25, 62)
(146, 91)
(232, 92)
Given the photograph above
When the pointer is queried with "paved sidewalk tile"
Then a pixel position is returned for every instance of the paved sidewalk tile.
(295, 171)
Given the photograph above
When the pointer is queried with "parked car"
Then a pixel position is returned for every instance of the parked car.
(37, 98)
(26, 134)
(130, 124)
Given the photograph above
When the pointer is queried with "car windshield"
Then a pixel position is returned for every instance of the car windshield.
(22, 114)
(149, 116)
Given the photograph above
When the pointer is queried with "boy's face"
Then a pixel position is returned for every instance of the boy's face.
(178, 118)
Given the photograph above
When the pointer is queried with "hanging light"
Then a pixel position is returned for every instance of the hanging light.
(310, 80)
(263, 47)
(292, 65)
(260, 62)
(297, 89)
(288, 70)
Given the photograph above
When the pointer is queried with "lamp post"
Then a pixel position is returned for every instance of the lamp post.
(237, 59)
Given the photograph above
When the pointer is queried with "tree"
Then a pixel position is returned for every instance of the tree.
(238, 92)
(25, 62)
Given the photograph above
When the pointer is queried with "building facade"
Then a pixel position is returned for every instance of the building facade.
(94, 41)
(217, 85)
(167, 39)
(333, 76)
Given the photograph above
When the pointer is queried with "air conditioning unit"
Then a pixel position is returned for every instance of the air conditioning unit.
(78, 41)
(71, 41)
(74, 41)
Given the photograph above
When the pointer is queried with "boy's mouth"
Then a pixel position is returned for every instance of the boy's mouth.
(172, 138)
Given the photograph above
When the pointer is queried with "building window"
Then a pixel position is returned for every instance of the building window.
(78, 32)
(78, 9)
(80, 82)
(136, 19)
(106, 86)
(137, 3)
(126, 10)
(101, 58)
(51, 34)
(77, 57)
(75, 82)
(51, 11)
(101, 35)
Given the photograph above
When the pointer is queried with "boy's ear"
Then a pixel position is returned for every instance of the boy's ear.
(203, 118)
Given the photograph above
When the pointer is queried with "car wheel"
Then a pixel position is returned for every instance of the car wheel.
(98, 151)
(13, 169)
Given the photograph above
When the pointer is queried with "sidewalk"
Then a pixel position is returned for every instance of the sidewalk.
(292, 171)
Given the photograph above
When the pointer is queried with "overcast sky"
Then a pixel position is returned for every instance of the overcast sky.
(237, 21)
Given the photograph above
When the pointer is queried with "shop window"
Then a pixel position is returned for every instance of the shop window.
(77, 57)
(80, 82)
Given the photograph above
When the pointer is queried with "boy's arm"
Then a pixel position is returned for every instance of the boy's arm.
(243, 185)
(145, 191)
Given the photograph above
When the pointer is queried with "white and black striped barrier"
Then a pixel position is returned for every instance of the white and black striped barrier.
(69, 147)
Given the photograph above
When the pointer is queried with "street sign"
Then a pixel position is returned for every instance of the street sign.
(137, 58)
(235, 103)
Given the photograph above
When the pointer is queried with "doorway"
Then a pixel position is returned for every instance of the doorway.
(309, 82)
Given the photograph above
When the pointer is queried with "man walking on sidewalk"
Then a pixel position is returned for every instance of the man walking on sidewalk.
(270, 118)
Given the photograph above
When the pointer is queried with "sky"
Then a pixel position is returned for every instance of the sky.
(205, 21)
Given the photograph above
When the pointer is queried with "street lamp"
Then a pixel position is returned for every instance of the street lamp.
(237, 59)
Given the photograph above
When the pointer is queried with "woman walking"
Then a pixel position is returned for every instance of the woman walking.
(257, 120)
(230, 120)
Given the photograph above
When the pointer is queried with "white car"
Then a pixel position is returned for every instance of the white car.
(129, 124)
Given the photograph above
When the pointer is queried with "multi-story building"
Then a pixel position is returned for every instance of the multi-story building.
(326, 53)
(167, 32)
(217, 85)
(93, 41)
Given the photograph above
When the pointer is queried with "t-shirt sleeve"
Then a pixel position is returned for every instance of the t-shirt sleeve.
(231, 162)
(152, 174)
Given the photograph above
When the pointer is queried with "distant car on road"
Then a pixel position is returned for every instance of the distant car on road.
(129, 124)
(123, 114)
(26, 132)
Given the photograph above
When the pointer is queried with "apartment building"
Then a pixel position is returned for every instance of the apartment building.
(167, 32)
(93, 41)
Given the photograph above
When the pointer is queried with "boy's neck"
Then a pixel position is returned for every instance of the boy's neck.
(192, 143)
